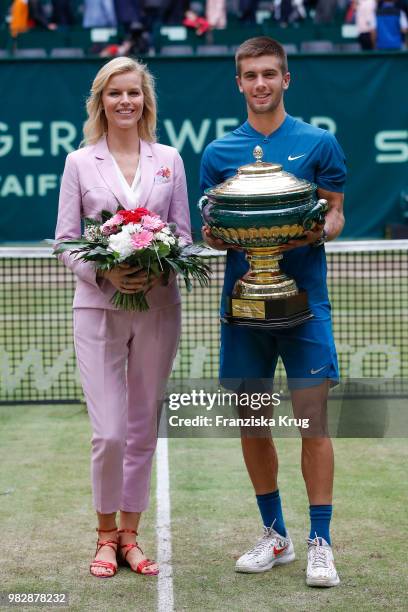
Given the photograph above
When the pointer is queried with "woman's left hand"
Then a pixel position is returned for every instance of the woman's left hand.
(139, 281)
(129, 281)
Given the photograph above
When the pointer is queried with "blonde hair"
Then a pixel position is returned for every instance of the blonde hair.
(96, 124)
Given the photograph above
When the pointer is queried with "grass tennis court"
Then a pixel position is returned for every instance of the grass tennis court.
(48, 539)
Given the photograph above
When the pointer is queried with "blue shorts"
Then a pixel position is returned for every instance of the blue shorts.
(308, 352)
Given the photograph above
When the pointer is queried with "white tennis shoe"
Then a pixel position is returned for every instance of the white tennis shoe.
(321, 571)
(271, 549)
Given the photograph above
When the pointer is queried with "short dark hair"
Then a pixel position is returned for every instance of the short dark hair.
(258, 46)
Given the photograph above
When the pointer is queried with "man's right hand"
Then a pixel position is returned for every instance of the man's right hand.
(216, 243)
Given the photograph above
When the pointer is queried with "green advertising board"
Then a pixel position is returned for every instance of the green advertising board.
(363, 99)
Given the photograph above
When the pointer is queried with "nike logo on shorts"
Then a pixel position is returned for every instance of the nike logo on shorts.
(312, 371)
(292, 158)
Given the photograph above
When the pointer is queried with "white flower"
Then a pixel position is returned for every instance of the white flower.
(164, 236)
(92, 232)
(121, 243)
(161, 236)
(132, 228)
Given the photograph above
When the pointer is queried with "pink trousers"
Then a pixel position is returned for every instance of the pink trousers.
(124, 360)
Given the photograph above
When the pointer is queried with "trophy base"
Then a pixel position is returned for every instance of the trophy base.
(270, 314)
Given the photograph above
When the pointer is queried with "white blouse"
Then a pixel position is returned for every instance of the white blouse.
(132, 191)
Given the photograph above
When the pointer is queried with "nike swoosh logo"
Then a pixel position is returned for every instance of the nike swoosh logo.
(279, 551)
(312, 371)
(290, 158)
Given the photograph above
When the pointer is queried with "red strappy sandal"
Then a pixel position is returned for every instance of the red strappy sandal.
(126, 548)
(107, 565)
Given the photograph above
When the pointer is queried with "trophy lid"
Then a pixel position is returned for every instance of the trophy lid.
(260, 178)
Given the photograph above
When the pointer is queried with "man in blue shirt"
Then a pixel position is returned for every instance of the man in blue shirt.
(308, 351)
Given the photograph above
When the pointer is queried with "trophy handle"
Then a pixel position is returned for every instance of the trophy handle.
(202, 202)
(316, 215)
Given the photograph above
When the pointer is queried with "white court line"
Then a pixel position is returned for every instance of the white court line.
(163, 528)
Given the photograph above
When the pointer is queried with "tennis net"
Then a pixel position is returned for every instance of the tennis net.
(368, 282)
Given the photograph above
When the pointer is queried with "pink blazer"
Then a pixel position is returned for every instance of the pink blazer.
(90, 184)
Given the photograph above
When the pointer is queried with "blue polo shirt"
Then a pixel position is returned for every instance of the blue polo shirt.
(307, 152)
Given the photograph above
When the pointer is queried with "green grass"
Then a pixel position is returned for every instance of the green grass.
(48, 539)
(48, 523)
(369, 527)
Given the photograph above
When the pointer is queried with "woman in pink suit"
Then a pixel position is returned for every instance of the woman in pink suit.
(124, 358)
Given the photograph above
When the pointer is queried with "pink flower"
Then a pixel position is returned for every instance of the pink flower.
(112, 225)
(116, 219)
(142, 239)
(152, 223)
(164, 171)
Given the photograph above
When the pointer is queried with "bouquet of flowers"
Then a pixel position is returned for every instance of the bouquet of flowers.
(138, 238)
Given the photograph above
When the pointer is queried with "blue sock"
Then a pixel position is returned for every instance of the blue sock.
(271, 511)
(320, 517)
